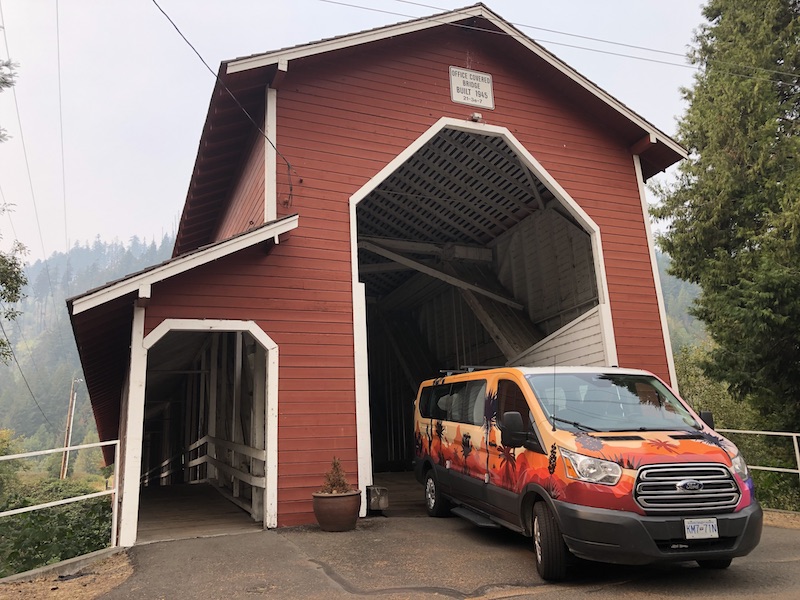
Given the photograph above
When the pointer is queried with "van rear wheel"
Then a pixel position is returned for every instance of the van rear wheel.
(550, 550)
(435, 504)
(715, 563)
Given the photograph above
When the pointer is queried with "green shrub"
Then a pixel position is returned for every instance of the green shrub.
(46, 536)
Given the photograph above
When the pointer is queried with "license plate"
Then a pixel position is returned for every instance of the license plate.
(700, 529)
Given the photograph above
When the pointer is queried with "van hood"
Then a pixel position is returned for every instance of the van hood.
(633, 449)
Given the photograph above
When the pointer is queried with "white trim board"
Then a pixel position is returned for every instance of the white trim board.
(176, 266)
(662, 307)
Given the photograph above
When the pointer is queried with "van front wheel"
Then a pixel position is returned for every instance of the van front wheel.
(549, 548)
(435, 504)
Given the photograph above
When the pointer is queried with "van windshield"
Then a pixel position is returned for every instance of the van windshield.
(609, 402)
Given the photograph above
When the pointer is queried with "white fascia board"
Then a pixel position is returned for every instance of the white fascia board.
(183, 264)
(651, 248)
(347, 41)
(356, 39)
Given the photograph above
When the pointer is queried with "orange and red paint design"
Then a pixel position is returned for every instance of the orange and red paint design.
(477, 450)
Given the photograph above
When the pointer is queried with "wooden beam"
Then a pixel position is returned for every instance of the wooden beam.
(435, 273)
(644, 144)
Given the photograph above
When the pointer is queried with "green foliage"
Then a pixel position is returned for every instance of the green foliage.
(43, 340)
(335, 480)
(774, 490)
(734, 211)
(8, 469)
(33, 539)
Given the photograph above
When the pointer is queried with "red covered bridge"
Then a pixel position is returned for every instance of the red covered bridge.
(363, 212)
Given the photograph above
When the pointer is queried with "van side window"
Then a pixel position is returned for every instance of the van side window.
(467, 402)
(434, 402)
(511, 398)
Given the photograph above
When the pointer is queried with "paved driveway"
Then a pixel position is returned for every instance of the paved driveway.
(418, 557)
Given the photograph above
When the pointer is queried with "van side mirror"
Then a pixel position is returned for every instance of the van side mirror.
(512, 432)
(708, 418)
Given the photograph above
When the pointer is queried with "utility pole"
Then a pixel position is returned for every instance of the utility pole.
(68, 433)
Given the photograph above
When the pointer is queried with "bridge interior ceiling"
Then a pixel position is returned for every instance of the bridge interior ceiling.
(465, 213)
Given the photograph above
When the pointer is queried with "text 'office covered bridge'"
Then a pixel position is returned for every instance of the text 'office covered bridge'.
(425, 196)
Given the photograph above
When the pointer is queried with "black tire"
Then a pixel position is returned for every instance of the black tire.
(435, 504)
(550, 551)
(715, 563)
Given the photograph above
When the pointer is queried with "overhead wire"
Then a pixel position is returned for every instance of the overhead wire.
(22, 374)
(28, 172)
(574, 46)
(289, 167)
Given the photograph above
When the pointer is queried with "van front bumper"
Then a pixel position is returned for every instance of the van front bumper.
(621, 537)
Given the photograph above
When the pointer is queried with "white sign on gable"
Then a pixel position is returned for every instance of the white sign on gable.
(471, 87)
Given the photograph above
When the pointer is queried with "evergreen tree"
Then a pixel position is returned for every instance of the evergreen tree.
(734, 210)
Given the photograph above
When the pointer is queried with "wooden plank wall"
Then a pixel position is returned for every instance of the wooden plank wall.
(339, 123)
(546, 262)
(579, 344)
(245, 205)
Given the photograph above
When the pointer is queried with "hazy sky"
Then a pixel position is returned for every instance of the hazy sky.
(133, 95)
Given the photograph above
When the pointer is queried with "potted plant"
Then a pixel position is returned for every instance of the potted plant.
(337, 503)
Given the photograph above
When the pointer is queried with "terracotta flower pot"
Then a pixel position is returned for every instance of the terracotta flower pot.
(337, 512)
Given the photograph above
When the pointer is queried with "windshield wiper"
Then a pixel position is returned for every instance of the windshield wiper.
(650, 429)
(574, 424)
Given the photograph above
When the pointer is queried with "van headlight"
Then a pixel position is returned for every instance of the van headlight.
(590, 469)
(739, 466)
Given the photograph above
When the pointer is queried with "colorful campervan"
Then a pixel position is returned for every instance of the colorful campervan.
(606, 464)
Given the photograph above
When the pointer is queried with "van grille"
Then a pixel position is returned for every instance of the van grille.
(687, 488)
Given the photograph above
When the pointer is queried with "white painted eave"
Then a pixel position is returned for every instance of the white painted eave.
(144, 280)
(364, 37)
(356, 39)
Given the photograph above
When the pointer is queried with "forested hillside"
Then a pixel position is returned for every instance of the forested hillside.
(48, 360)
(34, 388)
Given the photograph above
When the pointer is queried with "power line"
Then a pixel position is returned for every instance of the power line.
(28, 171)
(61, 130)
(574, 46)
(289, 167)
(22, 374)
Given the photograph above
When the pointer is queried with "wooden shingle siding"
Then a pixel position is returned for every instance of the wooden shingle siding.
(245, 205)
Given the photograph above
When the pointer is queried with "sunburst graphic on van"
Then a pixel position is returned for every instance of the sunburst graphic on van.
(585, 440)
(711, 439)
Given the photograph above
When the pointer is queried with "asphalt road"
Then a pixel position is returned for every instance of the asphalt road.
(423, 558)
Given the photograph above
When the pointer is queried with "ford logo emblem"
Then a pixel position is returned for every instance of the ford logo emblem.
(689, 485)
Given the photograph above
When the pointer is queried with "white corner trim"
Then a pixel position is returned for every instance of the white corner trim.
(133, 434)
(271, 156)
(182, 264)
(272, 373)
(651, 247)
(361, 358)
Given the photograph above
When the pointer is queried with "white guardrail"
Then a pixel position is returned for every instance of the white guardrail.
(113, 492)
(795, 442)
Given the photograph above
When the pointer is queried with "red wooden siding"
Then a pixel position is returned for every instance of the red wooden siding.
(300, 295)
(245, 205)
(340, 123)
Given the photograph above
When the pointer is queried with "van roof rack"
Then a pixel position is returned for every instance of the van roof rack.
(466, 369)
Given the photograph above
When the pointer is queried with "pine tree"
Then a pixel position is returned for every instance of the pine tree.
(734, 210)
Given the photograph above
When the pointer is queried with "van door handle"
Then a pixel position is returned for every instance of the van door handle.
(493, 444)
